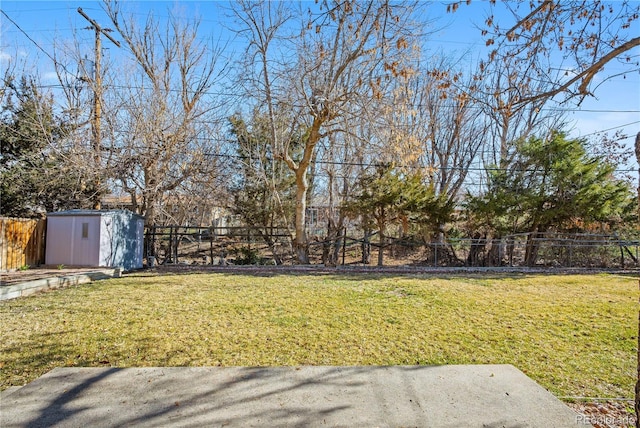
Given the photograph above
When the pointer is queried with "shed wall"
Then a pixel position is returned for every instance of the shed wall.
(73, 241)
(121, 240)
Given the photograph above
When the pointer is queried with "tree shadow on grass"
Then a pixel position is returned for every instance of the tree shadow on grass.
(359, 273)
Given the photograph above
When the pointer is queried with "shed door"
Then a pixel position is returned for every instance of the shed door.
(86, 250)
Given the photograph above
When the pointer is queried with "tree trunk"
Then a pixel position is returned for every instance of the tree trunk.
(531, 253)
(327, 260)
(330, 239)
(300, 243)
(341, 230)
(510, 249)
(381, 226)
(366, 248)
(149, 211)
(381, 249)
(494, 256)
(478, 243)
(339, 242)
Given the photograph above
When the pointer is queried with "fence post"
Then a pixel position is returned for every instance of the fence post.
(211, 246)
(570, 253)
(154, 243)
(344, 244)
(169, 254)
(176, 237)
(147, 238)
(435, 254)
(511, 243)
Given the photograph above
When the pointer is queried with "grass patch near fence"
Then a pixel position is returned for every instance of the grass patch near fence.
(574, 334)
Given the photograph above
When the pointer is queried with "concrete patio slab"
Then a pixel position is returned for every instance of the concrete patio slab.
(53, 282)
(371, 396)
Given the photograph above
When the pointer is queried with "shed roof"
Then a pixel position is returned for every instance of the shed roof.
(87, 213)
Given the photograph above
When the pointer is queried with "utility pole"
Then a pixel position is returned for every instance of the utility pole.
(97, 103)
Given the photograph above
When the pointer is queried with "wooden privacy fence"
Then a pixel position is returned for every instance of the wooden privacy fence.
(22, 242)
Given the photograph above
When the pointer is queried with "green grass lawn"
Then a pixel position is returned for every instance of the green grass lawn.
(574, 334)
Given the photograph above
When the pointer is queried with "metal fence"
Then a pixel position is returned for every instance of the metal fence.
(22, 243)
(253, 245)
(551, 250)
(215, 245)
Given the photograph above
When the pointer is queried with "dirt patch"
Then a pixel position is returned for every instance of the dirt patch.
(372, 269)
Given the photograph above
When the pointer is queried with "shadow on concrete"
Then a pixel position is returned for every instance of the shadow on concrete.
(237, 401)
(159, 400)
(58, 410)
(430, 396)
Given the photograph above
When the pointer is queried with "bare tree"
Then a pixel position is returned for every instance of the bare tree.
(263, 27)
(74, 98)
(162, 133)
(563, 44)
(497, 92)
(447, 125)
(339, 58)
(342, 158)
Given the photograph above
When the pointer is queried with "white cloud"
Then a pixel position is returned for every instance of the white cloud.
(12, 57)
(4, 56)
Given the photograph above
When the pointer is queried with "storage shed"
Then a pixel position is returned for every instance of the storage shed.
(95, 238)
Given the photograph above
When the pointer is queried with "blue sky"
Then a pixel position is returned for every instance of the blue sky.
(615, 107)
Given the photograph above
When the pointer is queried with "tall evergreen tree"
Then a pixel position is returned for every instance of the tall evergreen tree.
(263, 187)
(35, 173)
(551, 185)
(389, 196)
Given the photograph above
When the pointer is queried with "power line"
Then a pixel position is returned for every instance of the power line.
(611, 129)
(28, 36)
(230, 94)
(380, 164)
(41, 30)
(34, 42)
(53, 9)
